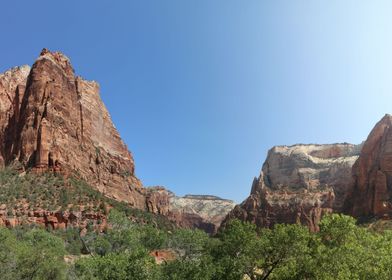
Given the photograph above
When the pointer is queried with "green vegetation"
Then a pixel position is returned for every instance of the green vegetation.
(341, 250)
(35, 254)
(125, 250)
(54, 193)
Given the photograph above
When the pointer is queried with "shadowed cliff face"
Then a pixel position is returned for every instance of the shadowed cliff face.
(371, 193)
(12, 88)
(299, 184)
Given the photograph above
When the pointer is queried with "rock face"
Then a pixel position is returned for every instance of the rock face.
(53, 219)
(200, 211)
(158, 200)
(204, 212)
(298, 184)
(371, 193)
(52, 120)
(12, 87)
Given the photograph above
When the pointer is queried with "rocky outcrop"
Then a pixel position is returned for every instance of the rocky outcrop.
(371, 193)
(163, 256)
(200, 211)
(204, 212)
(58, 219)
(298, 184)
(54, 121)
(57, 121)
(158, 200)
(12, 87)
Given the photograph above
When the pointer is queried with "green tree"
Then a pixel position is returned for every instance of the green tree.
(152, 238)
(190, 269)
(8, 254)
(136, 265)
(41, 256)
(188, 243)
(284, 253)
(236, 254)
(346, 251)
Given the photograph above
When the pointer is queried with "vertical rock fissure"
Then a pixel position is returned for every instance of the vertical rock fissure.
(80, 113)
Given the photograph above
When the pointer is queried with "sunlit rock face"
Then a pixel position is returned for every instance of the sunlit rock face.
(299, 184)
(371, 193)
(205, 212)
(200, 211)
(52, 120)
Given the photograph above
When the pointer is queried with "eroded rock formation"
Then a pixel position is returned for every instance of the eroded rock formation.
(158, 200)
(298, 184)
(371, 193)
(53, 219)
(57, 121)
(200, 211)
(54, 121)
(12, 88)
(205, 212)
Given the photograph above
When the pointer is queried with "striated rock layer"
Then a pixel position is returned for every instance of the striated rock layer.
(371, 193)
(204, 212)
(298, 184)
(200, 211)
(53, 219)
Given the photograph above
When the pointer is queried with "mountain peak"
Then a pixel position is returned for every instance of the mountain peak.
(386, 119)
(57, 122)
(59, 59)
(52, 121)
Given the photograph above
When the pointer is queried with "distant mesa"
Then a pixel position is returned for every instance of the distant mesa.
(205, 197)
(206, 211)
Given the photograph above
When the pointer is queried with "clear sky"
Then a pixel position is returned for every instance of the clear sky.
(201, 89)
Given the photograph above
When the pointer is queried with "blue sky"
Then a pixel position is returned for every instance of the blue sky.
(200, 90)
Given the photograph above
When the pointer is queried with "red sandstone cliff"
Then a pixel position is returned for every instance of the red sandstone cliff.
(371, 193)
(51, 120)
(299, 184)
(57, 121)
(12, 88)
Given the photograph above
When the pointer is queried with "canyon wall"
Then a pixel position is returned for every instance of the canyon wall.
(200, 211)
(58, 122)
(53, 121)
(371, 192)
(205, 212)
(298, 184)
